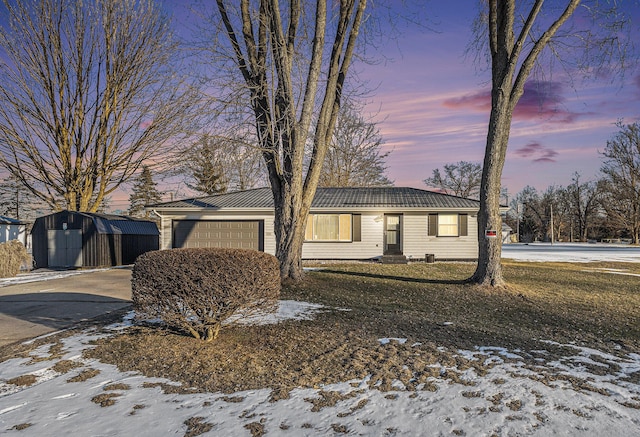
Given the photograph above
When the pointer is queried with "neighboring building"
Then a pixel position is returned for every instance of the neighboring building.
(344, 223)
(12, 229)
(81, 239)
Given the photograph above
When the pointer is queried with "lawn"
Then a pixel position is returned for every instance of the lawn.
(428, 304)
(394, 350)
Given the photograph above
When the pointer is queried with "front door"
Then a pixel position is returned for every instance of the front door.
(392, 234)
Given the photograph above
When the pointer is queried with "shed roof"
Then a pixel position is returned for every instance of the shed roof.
(115, 224)
(10, 221)
(118, 224)
(395, 197)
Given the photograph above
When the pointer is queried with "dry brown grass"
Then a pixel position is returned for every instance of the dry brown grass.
(426, 303)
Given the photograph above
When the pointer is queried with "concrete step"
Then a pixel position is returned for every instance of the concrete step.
(394, 259)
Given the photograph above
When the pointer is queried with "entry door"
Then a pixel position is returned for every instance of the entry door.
(392, 234)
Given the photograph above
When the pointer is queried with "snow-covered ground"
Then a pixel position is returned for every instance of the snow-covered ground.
(571, 252)
(510, 400)
(560, 398)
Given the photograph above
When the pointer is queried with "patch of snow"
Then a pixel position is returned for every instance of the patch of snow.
(287, 310)
(386, 340)
(24, 278)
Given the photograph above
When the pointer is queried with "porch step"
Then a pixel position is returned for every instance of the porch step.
(394, 259)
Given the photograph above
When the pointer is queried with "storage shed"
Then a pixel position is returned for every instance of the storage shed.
(81, 239)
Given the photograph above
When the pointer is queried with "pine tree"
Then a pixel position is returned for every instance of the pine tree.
(144, 192)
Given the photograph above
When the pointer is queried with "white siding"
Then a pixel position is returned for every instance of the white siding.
(417, 244)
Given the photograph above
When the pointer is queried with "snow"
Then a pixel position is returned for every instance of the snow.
(512, 399)
(506, 401)
(571, 252)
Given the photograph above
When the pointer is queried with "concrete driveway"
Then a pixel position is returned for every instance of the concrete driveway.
(30, 309)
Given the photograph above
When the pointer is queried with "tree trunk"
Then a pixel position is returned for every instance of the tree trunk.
(289, 228)
(489, 269)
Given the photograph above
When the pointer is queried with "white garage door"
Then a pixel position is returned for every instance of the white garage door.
(236, 234)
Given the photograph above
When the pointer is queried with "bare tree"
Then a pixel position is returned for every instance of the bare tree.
(87, 95)
(293, 61)
(518, 33)
(354, 158)
(17, 202)
(222, 162)
(459, 179)
(583, 202)
(621, 182)
(540, 212)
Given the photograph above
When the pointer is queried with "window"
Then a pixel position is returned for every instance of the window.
(328, 227)
(448, 225)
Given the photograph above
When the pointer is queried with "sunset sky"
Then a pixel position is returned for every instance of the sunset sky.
(433, 109)
(431, 104)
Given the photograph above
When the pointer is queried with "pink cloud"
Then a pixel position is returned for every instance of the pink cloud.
(538, 152)
(540, 99)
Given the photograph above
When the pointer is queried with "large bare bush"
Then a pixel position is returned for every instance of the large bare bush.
(13, 255)
(195, 290)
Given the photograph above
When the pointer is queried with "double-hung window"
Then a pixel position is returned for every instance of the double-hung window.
(448, 225)
(329, 227)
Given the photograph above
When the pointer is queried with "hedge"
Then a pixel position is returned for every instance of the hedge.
(195, 290)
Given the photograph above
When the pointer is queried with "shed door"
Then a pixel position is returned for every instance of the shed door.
(65, 248)
(236, 234)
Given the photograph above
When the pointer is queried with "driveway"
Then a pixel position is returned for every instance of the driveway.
(58, 300)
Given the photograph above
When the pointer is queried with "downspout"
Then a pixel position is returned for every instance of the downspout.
(154, 211)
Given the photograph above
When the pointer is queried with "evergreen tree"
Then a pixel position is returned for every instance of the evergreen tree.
(144, 192)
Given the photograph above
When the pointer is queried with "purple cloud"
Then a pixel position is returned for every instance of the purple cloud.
(540, 99)
(538, 152)
(637, 81)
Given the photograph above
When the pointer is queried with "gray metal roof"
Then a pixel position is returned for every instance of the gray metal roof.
(10, 221)
(381, 197)
(118, 224)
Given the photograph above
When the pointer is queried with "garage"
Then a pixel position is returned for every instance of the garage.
(235, 234)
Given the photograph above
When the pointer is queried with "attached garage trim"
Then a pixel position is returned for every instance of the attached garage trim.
(218, 233)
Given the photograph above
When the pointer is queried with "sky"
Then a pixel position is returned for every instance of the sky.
(432, 106)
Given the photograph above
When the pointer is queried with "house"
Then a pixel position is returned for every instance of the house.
(12, 229)
(82, 239)
(344, 223)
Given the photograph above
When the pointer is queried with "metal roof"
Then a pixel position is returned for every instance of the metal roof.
(381, 197)
(10, 221)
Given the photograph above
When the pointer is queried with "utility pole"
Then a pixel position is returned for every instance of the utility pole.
(551, 207)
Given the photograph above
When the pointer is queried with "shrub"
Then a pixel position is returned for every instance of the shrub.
(13, 255)
(197, 289)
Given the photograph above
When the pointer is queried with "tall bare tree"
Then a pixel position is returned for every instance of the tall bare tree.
(355, 158)
(583, 203)
(459, 179)
(293, 61)
(518, 33)
(221, 162)
(621, 182)
(88, 94)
